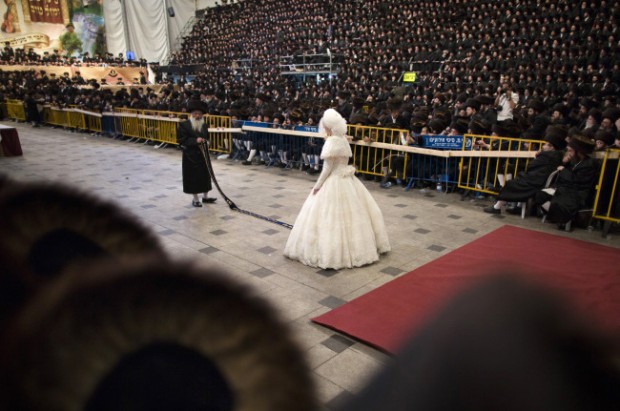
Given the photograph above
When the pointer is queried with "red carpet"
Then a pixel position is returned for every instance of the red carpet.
(588, 273)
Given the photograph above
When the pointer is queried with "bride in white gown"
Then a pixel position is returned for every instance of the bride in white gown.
(340, 224)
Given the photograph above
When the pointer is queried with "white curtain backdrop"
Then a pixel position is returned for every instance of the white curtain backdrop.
(184, 12)
(114, 27)
(145, 27)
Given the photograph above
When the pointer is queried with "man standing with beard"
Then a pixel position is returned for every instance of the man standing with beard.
(190, 134)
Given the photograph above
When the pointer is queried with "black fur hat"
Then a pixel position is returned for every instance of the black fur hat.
(581, 144)
(195, 104)
(556, 136)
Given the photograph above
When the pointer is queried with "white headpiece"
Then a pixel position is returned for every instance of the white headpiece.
(333, 121)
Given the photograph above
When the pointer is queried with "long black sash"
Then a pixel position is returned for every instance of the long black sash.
(231, 204)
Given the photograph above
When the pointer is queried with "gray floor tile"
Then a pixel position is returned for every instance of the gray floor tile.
(337, 343)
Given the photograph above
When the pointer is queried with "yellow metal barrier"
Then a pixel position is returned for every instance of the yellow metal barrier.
(505, 156)
(478, 168)
(15, 110)
(76, 120)
(156, 125)
(220, 142)
(93, 122)
(56, 116)
(375, 159)
(607, 200)
(128, 122)
(161, 126)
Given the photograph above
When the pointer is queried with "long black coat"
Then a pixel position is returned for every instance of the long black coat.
(196, 177)
(527, 184)
(574, 186)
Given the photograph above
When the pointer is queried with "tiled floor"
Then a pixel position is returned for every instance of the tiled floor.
(147, 181)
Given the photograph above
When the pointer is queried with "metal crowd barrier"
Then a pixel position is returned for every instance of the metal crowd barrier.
(607, 199)
(480, 166)
(466, 165)
(15, 110)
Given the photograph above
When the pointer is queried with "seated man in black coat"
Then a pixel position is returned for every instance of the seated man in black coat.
(574, 183)
(530, 182)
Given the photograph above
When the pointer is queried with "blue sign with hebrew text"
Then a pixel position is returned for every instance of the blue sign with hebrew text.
(441, 142)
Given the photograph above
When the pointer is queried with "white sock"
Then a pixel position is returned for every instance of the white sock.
(546, 205)
(195, 197)
(501, 180)
(252, 154)
(508, 177)
(499, 204)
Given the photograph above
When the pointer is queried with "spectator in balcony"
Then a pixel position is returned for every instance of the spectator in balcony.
(535, 121)
(343, 106)
(506, 101)
(604, 139)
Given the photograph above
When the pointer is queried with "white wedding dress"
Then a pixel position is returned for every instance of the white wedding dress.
(341, 225)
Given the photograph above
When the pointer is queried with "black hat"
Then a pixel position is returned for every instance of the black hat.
(484, 99)
(263, 97)
(611, 113)
(479, 125)
(588, 103)
(460, 125)
(461, 98)
(596, 114)
(116, 350)
(418, 123)
(605, 136)
(507, 128)
(437, 125)
(556, 136)
(344, 94)
(472, 103)
(394, 103)
(48, 229)
(295, 114)
(537, 105)
(358, 102)
(561, 108)
(581, 144)
(359, 119)
(196, 105)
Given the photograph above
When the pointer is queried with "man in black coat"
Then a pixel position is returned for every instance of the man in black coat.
(191, 134)
(574, 184)
(527, 184)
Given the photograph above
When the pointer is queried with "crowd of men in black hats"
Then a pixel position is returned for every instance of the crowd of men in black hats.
(29, 57)
(558, 61)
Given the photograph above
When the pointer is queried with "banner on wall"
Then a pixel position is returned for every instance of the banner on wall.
(74, 27)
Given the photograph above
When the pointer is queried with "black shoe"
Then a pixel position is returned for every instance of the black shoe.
(514, 210)
(492, 210)
(196, 203)
(209, 200)
(246, 163)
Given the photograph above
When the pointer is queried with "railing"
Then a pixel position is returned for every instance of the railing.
(607, 200)
(377, 151)
(15, 110)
